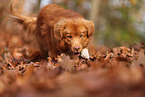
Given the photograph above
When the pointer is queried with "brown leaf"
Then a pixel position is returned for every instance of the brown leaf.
(141, 58)
(67, 63)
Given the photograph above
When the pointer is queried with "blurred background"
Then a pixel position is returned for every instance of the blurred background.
(117, 22)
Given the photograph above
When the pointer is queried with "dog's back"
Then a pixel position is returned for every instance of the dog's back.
(53, 13)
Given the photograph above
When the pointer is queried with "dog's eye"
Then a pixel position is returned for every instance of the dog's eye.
(81, 36)
(69, 36)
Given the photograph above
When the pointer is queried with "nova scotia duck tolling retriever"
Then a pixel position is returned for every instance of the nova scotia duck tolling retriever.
(57, 30)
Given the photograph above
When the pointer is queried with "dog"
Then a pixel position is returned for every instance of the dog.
(57, 30)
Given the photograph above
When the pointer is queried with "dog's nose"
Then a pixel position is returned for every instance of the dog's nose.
(77, 48)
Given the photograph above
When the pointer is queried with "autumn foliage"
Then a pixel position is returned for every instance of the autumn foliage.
(110, 72)
(116, 72)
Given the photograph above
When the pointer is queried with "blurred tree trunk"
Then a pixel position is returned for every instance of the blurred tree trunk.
(94, 16)
(31, 6)
(37, 6)
(95, 10)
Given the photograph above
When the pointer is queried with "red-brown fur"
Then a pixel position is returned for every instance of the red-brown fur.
(61, 31)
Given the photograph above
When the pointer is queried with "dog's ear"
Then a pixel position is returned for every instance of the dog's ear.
(58, 29)
(90, 28)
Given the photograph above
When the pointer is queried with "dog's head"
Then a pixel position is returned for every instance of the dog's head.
(73, 34)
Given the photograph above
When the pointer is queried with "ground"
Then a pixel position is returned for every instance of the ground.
(110, 72)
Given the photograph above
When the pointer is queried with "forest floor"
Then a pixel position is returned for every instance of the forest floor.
(115, 72)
